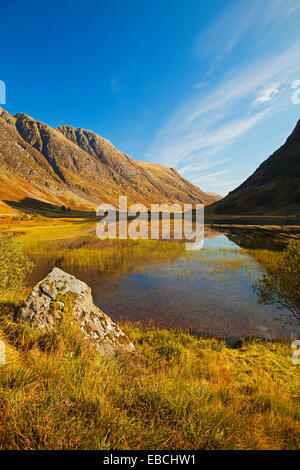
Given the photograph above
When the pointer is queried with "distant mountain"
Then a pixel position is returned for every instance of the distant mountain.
(216, 195)
(78, 169)
(273, 189)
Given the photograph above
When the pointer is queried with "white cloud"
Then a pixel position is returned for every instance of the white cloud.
(215, 116)
(207, 177)
(205, 165)
(205, 124)
(266, 94)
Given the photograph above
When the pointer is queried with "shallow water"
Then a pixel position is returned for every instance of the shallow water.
(190, 292)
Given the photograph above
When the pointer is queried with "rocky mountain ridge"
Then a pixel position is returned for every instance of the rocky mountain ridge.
(79, 169)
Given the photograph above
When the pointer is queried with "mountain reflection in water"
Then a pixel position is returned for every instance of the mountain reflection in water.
(208, 292)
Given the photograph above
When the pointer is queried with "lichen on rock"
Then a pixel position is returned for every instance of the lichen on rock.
(61, 296)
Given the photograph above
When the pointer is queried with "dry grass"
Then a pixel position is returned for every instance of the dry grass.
(175, 392)
(75, 243)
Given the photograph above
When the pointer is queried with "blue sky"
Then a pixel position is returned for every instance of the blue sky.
(201, 86)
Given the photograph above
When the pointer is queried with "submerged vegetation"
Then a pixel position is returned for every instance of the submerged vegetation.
(223, 260)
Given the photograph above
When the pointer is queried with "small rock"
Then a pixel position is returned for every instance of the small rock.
(61, 294)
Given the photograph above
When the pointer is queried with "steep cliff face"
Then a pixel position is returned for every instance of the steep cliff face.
(150, 180)
(104, 152)
(24, 172)
(78, 168)
(273, 189)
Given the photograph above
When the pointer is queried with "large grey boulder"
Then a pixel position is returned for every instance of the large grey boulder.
(61, 295)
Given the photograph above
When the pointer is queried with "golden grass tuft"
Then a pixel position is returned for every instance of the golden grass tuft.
(174, 392)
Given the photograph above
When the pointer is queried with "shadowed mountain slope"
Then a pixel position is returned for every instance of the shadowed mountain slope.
(273, 189)
(80, 169)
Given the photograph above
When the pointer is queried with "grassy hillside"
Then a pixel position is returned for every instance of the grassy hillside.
(272, 190)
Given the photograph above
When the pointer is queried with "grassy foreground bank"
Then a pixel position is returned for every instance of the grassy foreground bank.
(174, 392)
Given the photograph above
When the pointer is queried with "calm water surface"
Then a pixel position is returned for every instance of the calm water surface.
(186, 294)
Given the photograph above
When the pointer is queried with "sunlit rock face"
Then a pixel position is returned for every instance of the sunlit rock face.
(61, 296)
(43, 169)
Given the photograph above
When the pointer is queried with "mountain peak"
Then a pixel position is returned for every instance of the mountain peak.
(295, 135)
(6, 116)
(77, 168)
(23, 116)
(273, 189)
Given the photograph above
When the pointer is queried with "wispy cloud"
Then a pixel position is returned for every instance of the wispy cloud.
(206, 123)
(266, 95)
(209, 176)
(226, 32)
(205, 165)
(236, 21)
(222, 186)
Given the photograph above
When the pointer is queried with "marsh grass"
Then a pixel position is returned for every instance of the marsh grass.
(34, 235)
(75, 244)
(123, 256)
(55, 241)
(218, 263)
(174, 392)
